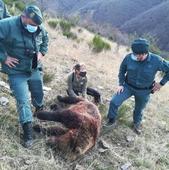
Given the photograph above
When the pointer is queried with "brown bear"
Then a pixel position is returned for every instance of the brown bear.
(82, 120)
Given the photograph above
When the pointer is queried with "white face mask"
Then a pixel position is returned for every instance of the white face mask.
(31, 28)
(134, 57)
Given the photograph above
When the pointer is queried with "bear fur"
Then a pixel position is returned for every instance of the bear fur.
(82, 121)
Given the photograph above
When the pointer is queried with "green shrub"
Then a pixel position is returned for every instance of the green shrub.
(103, 110)
(8, 2)
(98, 44)
(47, 77)
(66, 29)
(70, 35)
(155, 49)
(65, 25)
(14, 6)
(11, 11)
(53, 23)
(163, 160)
(20, 5)
(124, 114)
(143, 163)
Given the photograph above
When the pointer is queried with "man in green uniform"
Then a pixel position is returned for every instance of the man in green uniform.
(136, 78)
(3, 11)
(23, 43)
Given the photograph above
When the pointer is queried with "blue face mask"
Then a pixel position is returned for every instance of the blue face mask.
(31, 28)
(134, 57)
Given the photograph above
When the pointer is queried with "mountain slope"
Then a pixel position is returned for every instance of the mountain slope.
(129, 16)
(115, 12)
(118, 12)
(155, 23)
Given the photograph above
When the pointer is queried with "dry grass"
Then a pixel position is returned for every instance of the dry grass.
(148, 151)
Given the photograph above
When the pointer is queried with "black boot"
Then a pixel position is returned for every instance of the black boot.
(27, 136)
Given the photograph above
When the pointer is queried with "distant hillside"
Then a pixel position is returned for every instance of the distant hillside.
(62, 7)
(115, 12)
(118, 12)
(129, 16)
(155, 22)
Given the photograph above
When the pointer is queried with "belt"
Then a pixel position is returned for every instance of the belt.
(141, 88)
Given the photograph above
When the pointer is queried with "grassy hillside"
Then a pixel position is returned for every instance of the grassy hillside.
(148, 151)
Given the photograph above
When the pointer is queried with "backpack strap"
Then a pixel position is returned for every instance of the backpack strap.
(73, 76)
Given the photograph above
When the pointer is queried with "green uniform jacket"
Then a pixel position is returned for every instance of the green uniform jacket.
(142, 74)
(79, 85)
(17, 42)
(3, 11)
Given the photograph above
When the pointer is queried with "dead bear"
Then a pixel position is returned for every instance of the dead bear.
(82, 120)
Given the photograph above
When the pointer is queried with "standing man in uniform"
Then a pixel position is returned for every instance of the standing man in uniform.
(3, 11)
(136, 78)
(23, 43)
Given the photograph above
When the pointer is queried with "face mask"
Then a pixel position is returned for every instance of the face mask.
(134, 57)
(31, 28)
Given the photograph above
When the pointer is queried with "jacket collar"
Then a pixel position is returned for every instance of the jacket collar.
(149, 57)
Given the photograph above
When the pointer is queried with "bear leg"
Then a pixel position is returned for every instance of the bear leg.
(67, 117)
(64, 142)
(50, 131)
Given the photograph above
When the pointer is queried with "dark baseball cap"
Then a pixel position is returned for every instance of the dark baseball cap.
(34, 13)
(140, 46)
